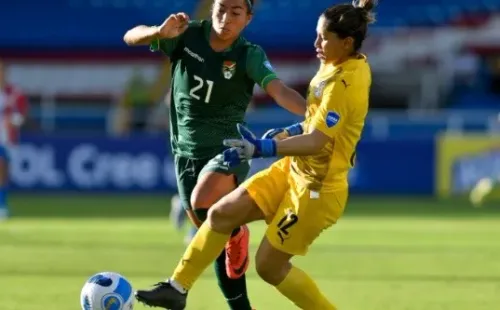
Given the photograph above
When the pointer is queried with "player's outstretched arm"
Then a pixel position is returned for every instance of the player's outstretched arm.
(302, 145)
(286, 97)
(250, 147)
(141, 35)
(261, 71)
(172, 27)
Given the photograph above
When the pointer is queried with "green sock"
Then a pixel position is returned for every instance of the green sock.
(234, 290)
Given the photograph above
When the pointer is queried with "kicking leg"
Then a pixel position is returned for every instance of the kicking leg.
(234, 210)
(256, 199)
(210, 188)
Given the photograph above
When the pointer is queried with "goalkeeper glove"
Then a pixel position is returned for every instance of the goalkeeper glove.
(282, 133)
(247, 147)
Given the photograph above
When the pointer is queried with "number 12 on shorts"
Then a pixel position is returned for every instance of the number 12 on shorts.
(285, 224)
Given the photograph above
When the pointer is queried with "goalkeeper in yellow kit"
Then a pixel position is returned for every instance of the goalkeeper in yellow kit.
(305, 192)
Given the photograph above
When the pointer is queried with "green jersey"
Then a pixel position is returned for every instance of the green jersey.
(210, 90)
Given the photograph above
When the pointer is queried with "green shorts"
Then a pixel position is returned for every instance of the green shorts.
(188, 170)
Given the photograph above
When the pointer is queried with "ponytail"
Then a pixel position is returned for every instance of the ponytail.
(365, 7)
(351, 20)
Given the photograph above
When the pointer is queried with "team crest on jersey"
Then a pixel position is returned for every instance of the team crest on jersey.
(228, 69)
(332, 119)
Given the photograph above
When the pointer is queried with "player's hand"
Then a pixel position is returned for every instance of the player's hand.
(247, 147)
(173, 26)
(283, 133)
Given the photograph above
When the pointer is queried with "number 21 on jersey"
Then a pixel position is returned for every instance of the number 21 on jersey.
(195, 91)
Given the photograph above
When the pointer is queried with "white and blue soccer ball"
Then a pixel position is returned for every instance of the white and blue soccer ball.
(107, 291)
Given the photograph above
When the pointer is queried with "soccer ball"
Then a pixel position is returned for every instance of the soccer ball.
(107, 291)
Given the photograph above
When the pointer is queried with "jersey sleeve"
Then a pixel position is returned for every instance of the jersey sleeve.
(168, 46)
(332, 111)
(259, 68)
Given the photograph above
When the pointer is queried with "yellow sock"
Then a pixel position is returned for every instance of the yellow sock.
(303, 292)
(205, 247)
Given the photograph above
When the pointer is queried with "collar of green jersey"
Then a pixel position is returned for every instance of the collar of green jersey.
(208, 28)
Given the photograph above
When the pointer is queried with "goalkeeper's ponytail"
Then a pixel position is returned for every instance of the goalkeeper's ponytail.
(351, 20)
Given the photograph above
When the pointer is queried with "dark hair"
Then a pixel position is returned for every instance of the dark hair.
(250, 4)
(351, 20)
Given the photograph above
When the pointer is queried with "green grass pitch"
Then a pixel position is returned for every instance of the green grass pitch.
(384, 254)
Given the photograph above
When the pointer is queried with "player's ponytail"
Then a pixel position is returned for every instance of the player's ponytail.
(365, 9)
(351, 20)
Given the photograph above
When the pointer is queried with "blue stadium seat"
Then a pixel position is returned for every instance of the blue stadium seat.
(293, 21)
(277, 24)
(81, 23)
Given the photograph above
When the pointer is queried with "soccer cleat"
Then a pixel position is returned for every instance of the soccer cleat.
(237, 253)
(162, 295)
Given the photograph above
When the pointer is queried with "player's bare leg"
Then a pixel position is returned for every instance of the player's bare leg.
(274, 267)
(234, 210)
(4, 211)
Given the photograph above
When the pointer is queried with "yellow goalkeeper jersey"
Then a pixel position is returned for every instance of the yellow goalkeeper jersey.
(337, 105)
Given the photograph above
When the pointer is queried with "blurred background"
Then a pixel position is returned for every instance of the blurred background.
(436, 69)
(93, 173)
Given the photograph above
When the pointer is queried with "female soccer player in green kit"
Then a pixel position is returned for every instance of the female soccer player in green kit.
(214, 70)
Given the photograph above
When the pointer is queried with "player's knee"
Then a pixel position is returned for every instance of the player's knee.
(211, 187)
(200, 205)
(199, 201)
(272, 273)
(233, 210)
(219, 218)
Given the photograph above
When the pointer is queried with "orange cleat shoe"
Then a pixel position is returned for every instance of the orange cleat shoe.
(237, 253)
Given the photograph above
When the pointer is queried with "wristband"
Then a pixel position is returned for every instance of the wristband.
(267, 148)
(295, 129)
